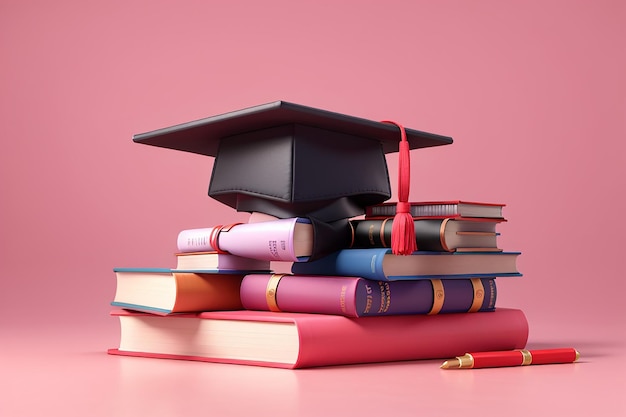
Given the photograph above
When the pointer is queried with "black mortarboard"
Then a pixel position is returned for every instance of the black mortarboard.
(289, 160)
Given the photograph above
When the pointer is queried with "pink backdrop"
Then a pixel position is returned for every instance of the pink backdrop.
(532, 93)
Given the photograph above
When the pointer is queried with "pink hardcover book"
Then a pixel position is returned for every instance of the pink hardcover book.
(299, 340)
(288, 240)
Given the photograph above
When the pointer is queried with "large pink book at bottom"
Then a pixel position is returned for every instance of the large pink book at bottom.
(300, 340)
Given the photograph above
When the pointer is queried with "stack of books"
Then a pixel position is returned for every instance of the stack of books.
(348, 298)
(359, 304)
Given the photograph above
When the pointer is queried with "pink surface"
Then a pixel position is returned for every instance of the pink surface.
(64, 372)
(533, 95)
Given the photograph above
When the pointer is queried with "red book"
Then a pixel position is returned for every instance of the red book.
(440, 209)
(299, 340)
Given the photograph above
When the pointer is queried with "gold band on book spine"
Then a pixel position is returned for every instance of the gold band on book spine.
(527, 357)
(270, 291)
(382, 234)
(438, 296)
(442, 235)
(479, 295)
(352, 232)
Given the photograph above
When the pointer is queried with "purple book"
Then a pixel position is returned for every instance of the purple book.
(358, 297)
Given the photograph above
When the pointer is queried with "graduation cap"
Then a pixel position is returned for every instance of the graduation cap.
(289, 160)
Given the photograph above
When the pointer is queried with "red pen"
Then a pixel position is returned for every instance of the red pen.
(519, 357)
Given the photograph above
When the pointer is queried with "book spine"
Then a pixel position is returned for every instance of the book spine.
(364, 263)
(204, 292)
(377, 234)
(195, 240)
(410, 337)
(268, 241)
(357, 297)
(213, 261)
(238, 263)
(300, 294)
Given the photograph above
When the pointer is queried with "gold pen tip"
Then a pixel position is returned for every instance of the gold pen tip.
(445, 365)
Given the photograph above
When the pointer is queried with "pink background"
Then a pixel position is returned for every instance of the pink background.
(532, 92)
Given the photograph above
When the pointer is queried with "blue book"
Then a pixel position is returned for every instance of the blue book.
(381, 265)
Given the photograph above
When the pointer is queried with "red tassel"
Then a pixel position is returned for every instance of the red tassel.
(403, 229)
